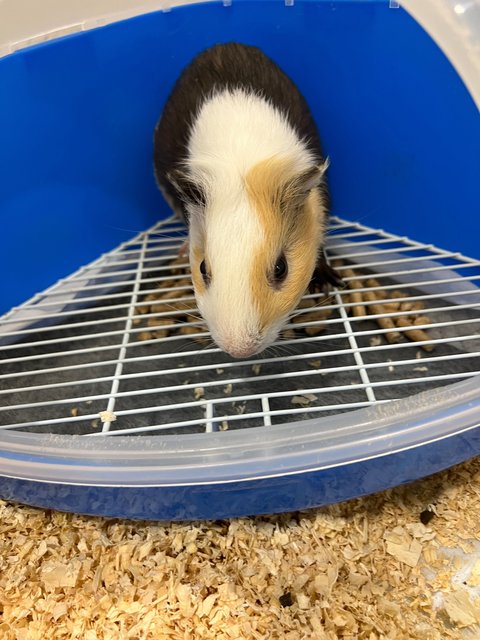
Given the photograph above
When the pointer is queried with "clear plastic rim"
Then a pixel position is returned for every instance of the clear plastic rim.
(455, 27)
(233, 456)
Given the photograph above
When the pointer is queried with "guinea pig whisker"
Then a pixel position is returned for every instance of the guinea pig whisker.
(184, 313)
(180, 347)
(269, 352)
(279, 348)
(209, 345)
(187, 344)
(169, 236)
(194, 317)
(184, 345)
(274, 351)
(294, 314)
(290, 349)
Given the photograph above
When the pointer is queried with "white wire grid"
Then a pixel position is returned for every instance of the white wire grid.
(72, 351)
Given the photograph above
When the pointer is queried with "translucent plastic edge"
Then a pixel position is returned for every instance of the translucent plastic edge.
(247, 454)
(21, 28)
(455, 27)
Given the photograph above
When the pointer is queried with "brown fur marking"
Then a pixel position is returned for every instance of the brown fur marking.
(196, 257)
(292, 223)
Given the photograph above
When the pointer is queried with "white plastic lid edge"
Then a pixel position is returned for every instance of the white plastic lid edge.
(455, 27)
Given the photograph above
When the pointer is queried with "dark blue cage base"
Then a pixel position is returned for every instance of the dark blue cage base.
(234, 499)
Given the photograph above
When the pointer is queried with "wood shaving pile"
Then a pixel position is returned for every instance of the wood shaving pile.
(367, 569)
(304, 400)
(107, 416)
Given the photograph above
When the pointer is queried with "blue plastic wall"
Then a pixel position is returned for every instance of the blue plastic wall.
(77, 116)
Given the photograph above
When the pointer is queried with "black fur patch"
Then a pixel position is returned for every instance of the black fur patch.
(325, 276)
(216, 69)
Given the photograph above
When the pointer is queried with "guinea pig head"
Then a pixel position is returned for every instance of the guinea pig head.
(254, 245)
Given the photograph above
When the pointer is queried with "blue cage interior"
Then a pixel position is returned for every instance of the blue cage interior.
(77, 116)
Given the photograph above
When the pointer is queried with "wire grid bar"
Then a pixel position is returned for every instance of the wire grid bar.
(73, 352)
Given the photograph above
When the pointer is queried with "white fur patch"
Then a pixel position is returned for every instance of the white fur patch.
(234, 131)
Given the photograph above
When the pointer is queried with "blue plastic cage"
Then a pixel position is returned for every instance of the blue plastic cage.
(76, 120)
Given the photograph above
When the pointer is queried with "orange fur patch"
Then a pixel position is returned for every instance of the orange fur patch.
(196, 257)
(290, 227)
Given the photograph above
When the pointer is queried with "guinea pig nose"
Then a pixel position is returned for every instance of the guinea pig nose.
(241, 351)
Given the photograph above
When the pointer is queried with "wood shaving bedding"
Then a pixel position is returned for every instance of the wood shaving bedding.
(367, 569)
(107, 416)
(304, 400)
(198, 392)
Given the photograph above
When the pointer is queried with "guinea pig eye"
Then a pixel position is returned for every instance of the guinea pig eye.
(280, 270)
(203, 271)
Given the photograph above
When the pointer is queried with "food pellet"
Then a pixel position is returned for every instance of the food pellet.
(160, 322)
(421, 320)
(417, 335)
(358, 309)
(314, 330)
(193, 332)
(145, 335)
(384, 305)
(376, 308)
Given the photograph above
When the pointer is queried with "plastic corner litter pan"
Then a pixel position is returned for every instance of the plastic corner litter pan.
(113, 400)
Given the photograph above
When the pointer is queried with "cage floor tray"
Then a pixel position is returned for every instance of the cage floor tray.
(376, 384)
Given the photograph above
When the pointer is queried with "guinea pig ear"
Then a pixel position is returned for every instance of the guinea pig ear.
(188, 190)
(298, 188)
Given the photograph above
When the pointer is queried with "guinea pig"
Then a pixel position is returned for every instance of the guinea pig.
(237, 156)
